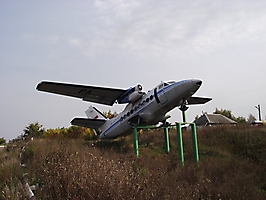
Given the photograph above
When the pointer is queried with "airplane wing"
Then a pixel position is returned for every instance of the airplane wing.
(94, 94)
(89, 123)
(198, 100)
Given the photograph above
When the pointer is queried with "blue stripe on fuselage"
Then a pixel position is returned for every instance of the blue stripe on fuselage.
(117, 122)
(166, 88)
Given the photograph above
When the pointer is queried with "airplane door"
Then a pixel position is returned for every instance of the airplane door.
(160, 97)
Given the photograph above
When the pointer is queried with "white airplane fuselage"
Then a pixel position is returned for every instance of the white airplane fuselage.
(151, 108)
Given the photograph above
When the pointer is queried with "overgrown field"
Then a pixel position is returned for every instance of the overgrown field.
(232, 166)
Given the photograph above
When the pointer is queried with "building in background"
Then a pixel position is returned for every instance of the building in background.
(213, 119)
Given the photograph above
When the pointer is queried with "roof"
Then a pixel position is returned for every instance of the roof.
(212, 119)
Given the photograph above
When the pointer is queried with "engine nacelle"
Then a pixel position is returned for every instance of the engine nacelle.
(138, 87)
(134, 96)
(131, 95)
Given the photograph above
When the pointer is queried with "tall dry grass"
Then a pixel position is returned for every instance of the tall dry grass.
(11, 173)
(231, 166)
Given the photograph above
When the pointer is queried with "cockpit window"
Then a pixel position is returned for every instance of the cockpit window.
(170, 82)
(160, 86)
(165, 84)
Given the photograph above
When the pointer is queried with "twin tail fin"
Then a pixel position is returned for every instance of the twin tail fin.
(94, 121)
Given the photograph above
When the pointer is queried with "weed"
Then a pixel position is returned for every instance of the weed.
(231, 166)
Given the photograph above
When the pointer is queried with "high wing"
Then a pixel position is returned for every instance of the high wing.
(89, 123)
(198, 100)
(101, 95)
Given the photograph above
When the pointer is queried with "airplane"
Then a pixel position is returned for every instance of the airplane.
(142, 108)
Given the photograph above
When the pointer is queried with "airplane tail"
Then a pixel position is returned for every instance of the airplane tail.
(94, 113)
(94, 121)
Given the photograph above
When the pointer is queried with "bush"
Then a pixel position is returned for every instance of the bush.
(2, 141)
(231, 166)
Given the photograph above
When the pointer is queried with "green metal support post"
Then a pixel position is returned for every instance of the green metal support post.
(195, 143)
(135, 141)
(180, 143)
(184, 116)
(166, 137)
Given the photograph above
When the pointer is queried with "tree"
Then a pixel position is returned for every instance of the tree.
(2, 141)
(224, 112)
(229, 114)
(109, 114)
(58, 132)
(251, 118)
(71, 132)
(241, 120)
(33, 130)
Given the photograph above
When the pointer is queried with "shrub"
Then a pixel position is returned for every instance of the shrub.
(231, 166)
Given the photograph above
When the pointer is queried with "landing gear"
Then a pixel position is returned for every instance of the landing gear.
(184, 108)
(136, 121)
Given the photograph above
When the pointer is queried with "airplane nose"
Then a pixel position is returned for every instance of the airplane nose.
(197, 82)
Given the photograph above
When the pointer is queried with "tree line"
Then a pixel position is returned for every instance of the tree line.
(37, 130)
(240, 119)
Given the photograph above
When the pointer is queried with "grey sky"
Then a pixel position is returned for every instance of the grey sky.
(120, 43)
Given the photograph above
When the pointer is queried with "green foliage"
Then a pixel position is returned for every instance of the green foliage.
(80, 132)
(241, 119)
(224, 112)
(58, 132)
(11, 173)
(229, 114)
(75, 132)
(33, 130)
(2, 141)
(251, 118)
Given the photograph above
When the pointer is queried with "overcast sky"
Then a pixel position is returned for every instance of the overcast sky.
(120, 43)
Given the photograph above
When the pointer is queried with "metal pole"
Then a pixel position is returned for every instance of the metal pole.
(184, 116)
(258, 107)
(166, 137)
(195, 143)
(180, 143)
(135, 141)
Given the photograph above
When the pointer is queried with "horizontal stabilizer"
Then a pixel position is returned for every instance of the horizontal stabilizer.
(198, 100)
(88, 123)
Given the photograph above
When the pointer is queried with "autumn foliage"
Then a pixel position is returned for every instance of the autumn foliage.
(37, 130)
